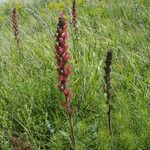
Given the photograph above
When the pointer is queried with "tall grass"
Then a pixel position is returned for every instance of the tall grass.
(30, 101)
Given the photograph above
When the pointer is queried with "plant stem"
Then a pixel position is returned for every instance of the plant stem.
(72, 138)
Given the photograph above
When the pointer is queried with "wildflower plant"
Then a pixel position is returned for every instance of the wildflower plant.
(63, 68)
(107, 78)
(74, 15)
(15, 26)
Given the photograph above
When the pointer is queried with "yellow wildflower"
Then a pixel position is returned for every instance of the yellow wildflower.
(19, 6)
(43, 15)
(79, 2)
(53, 6)
(1, 18)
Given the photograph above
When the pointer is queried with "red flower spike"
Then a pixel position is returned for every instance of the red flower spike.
(74, 15)
(62, 57)
(64, 70)
(15, 25)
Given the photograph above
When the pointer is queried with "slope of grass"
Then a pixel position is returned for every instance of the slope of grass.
(29, 99)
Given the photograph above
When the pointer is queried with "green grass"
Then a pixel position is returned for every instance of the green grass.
(30, 101)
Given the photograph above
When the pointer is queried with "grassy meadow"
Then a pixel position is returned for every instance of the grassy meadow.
(30, 102)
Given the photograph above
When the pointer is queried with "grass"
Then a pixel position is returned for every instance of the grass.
(30, 101)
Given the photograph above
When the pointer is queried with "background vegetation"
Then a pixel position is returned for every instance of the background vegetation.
(29, 99)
